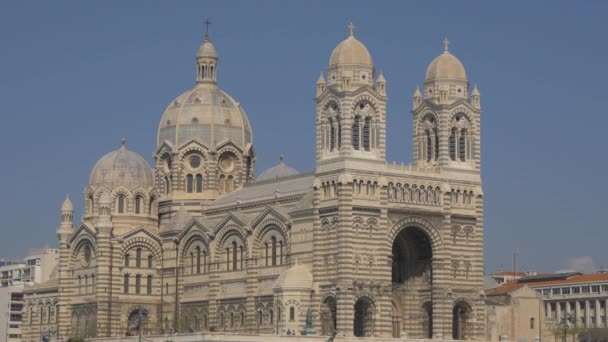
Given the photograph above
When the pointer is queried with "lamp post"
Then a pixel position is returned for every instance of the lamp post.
(566, 322)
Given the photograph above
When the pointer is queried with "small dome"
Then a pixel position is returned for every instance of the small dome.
(446, 67)
(297, 277)
(207, 50)
(351, 52)
(278, 171)
(67, 204)
(122, 168)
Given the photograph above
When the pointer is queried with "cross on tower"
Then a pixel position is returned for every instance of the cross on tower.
(207, 23)
(446, 42)
(351, 29)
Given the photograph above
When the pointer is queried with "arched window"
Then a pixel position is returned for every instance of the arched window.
(453, 144)
(138, 284)
(292, 313)
(126, 283)
(242, 257)
(274, 251)
(91, 206)
(149, 285)
(211, 72)
(150, 258)
(79, 285)
(189, 183)
(227, 259)
(121, 204)
(259, 318)
(204, 261)
(199, 183)
(138, 202)
(279, 315)
(198, 260)
(356, 133)
(138, 257)
(167, 186)
(367, 134)
(532, 323)
(191, 263)
(229, 184)
(221, 183)
(41, 313)
(332, 134)
(234, 255)
(271, 317)
(281, 252)
(232, 319)
(462, 144)
(222, 325)
(242, 319)
(266, 256)
(127, 259)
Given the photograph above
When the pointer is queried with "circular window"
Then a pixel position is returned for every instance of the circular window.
(227, 163)
(363, 77)
(195, 162)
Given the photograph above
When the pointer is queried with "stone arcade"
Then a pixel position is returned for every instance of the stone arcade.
(372, 248)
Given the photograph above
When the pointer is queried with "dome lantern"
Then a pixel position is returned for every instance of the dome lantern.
(206, 60)
(67, 213)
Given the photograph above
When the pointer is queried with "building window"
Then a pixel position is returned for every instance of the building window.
(595, 289)
(150, 261)
(234, 256)
(532, 323)
(138, 284)
(576, 290)
(585, 289)
(605, 288)
(199, 183)
(166, 287)
(127, 260)
(565, 290)
(126, 283)
(189, 183)
(138, 200)
(149, 285)
(292, 313)
(121, 204)
(198, 260)
(355, 133)
(274, 251)
(138, 258)
(556, 291)
(367, 134)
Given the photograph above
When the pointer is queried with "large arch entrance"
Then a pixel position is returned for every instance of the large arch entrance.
(137, 321)
(412, 253)
(461, 315)
(364, 318)
(328, 316)
(411, 274)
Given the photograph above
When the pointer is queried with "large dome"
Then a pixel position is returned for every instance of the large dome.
(350, 52)
(446, 67)
(122, 168)
(206, 114)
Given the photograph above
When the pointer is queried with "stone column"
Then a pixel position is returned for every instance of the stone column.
(587, 316)
(598, 314)
(568, 308)
(558, 311)
(577, 312)
(548, 309)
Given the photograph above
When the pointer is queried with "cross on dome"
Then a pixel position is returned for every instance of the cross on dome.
(446, 42)
(351, 29)
(207, 23)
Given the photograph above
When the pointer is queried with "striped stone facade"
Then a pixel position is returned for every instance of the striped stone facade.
(363, 246)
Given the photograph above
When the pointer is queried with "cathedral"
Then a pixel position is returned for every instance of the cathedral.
(360, 246)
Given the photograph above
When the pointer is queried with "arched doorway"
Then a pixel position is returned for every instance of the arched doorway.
(364, 318)
(412, 253)
(328, 316)
(461, 316)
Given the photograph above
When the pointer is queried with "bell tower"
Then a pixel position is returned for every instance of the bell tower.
(351, 106)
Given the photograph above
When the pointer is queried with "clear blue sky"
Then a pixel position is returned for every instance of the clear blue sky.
(77, 76)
